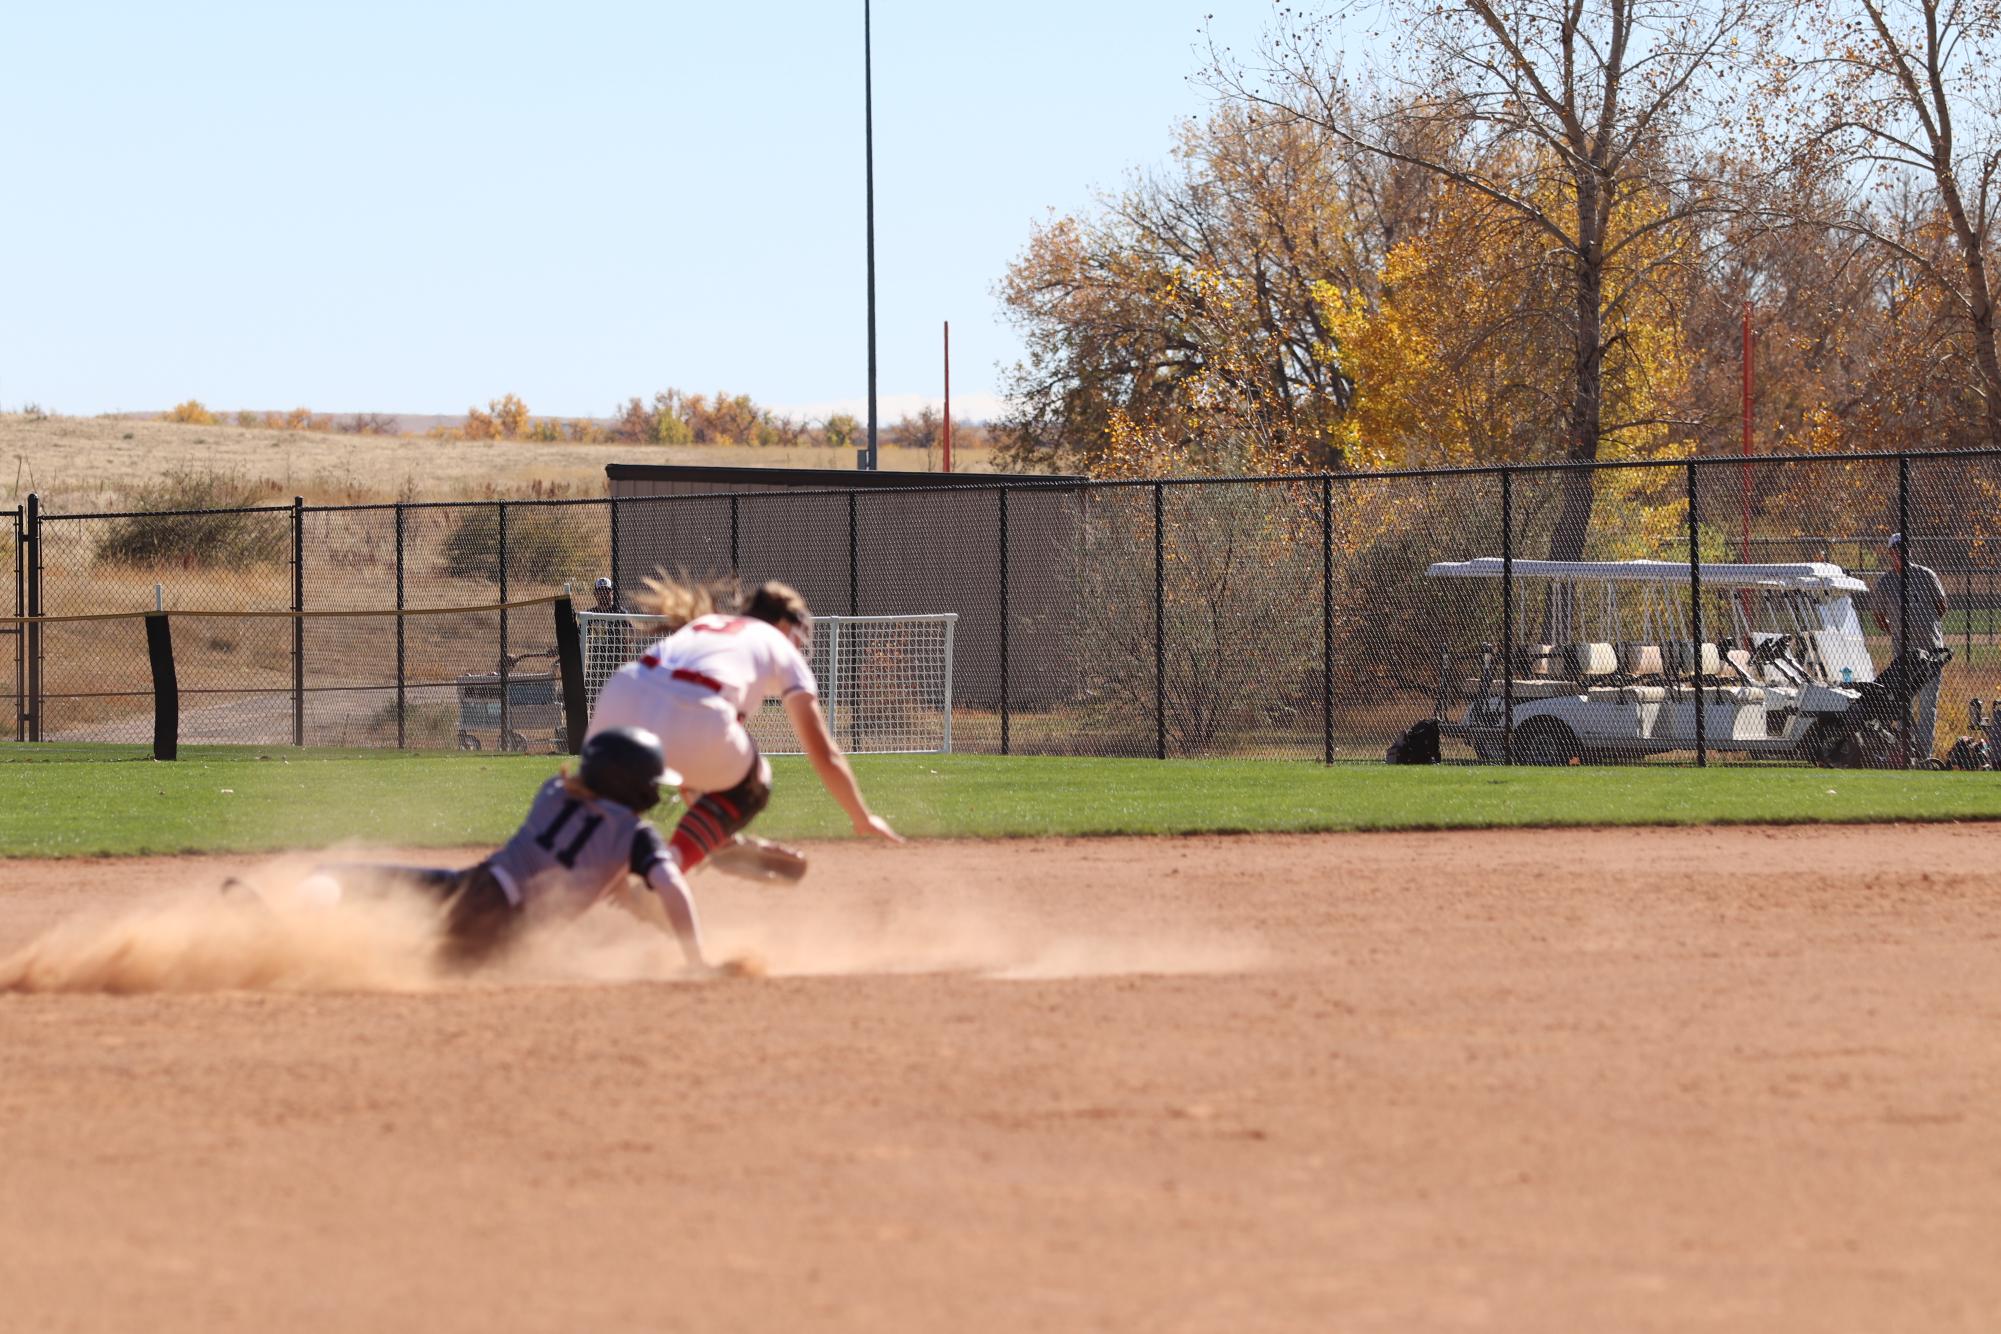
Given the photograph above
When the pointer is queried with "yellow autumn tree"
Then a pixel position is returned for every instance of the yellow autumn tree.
(298, 419)
(1213, 415)
(1174, 326)
(510, 416)
(192, 413)
(1462, 356)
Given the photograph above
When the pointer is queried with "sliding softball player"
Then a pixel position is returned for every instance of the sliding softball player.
(695, 688)
(583, 834)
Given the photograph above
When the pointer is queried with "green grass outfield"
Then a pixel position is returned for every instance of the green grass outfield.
(223, 800)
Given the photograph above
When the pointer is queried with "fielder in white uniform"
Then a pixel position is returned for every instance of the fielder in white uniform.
(695, 688)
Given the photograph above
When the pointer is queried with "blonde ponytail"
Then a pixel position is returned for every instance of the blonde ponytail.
(675, 602)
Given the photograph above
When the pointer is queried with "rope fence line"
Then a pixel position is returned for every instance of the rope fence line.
(234, 691)
(546, 699)
(330, 614)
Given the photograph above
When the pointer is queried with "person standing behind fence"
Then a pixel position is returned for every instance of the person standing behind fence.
(695, 688)
(604, 597)
(1926, 600)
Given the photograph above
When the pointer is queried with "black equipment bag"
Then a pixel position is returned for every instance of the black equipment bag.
(1417, 745)
(1889, 696)
(1867, 734)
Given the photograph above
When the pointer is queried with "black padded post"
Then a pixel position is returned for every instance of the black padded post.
(570, 666)
(166, 688)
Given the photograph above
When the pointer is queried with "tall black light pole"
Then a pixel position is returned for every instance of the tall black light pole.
(867, 461)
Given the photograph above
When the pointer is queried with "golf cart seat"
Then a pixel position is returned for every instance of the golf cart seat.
(1681, 655)
(1532, 660)
(1641, 660)
(1588, 661)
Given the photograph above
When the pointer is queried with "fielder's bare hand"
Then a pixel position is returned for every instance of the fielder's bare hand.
(874, 826)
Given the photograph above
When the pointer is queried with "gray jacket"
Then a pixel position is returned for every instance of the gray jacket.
(1927, 606)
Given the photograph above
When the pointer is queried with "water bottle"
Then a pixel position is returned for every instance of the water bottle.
(1848, 676)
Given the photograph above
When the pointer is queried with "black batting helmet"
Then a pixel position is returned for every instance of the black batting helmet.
(624, 764)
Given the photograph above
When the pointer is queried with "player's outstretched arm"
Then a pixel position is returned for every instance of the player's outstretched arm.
(832, 766)
(672, 892)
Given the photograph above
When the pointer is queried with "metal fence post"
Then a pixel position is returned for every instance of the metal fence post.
(166, 687)
(20, 540)
(31, 646)
(1507, 616)
(830, 684)
(506, 716)
(37, 606)
(1695, 624)
(570, 676)
(854, 608)
(854, 562)
(298, 621)
(402, 678)
(1327, 619)
(1159, 623)
(951, 634)
(1904, 596)
(617, 584)
(735, 569)
(1004, 618)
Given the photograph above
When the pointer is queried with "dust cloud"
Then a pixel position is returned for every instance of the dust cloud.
(195, 941)
(948, 933)
(287, 938)
(818, 930)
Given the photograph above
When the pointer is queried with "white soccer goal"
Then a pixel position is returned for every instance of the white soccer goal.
(885, 681)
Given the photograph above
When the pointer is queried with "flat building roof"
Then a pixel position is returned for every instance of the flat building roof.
(818, 479)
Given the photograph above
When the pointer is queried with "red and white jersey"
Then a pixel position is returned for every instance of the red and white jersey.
(741, 658)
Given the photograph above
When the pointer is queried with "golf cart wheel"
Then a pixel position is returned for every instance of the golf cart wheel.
(1546, 741)
(516, 742)
(467, 741)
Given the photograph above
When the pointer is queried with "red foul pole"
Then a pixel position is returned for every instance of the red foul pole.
(1744, 551)
(948, 395)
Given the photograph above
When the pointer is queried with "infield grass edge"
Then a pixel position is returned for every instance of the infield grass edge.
(224, 802)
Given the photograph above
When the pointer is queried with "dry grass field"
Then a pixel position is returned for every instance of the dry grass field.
(1705, 1079)
(91, 463)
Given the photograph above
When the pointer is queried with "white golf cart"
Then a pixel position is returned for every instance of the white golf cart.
(1619, 674)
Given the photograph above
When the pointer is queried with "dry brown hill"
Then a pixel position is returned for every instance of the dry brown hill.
(86, 463)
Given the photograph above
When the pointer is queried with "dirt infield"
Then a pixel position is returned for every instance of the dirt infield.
(1642, 1080)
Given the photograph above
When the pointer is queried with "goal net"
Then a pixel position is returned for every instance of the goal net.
(885, 681)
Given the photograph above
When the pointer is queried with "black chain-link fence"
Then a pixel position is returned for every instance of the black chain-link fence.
(312, 680)
(1719, 610)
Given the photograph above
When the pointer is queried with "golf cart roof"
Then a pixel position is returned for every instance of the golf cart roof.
(1814, 576)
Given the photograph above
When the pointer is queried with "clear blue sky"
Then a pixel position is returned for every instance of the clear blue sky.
(413, 207)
